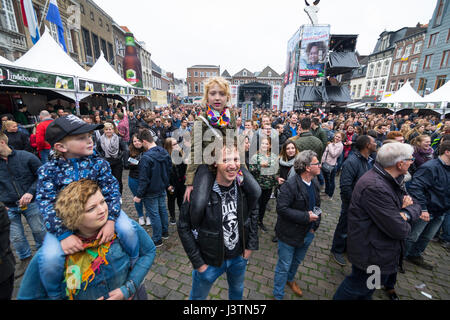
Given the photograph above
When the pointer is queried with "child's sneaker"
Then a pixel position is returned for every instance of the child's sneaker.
(148, 222)
(141, 221)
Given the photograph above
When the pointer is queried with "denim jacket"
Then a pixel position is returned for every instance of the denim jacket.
(116, 274)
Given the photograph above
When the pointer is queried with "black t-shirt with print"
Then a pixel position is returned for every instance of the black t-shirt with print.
(232, 241)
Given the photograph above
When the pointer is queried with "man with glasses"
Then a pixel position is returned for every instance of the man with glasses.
(356, 165)
(158, 129)
(298, 212)
(379, 219)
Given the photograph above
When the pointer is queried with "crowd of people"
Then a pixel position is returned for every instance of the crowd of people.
(65, 176)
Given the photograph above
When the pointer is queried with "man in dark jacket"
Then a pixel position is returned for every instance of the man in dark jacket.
(379, 220)
(291, 129)
(306, 141)
(220, 235)
(297, 209)
(18, 180)
(7, 261)
(431, 186)
(154, 175)
(356, 165)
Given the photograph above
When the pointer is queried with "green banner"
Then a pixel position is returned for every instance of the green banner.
(101, 88)
(15, 77)
(139, 92)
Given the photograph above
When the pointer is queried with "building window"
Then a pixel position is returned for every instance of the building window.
(196, 74)
(202, 87)
(433, 40)
(110, 54)
(100, 22)
(359, 91)
(439, 13)
(107, 27)
(54, 31)
(385, 68)
(396, 69)
(92, 16)
(418, 47)
(408, 51)
(404, 67)
(414, 65)
(378, 69)
(422, 84)
(368, 88)
(399, 53)
(208, 74)
(448, 35)
(69, 39)
(196, 88)
(427, 62)
(371, 70)
(87, 44)
(393, 86)
(81, 8)
(400, 84)
(444, 62)
(10, 15)
(104, 49)
(440, 81)
(96, 45)
(244, 73)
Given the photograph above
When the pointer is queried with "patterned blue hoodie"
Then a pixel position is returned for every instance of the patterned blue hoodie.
(59, 173)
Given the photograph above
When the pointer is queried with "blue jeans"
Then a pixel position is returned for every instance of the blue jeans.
(289, 258)
(235, 269)
(421, 234)
(339, 244)
(133, 184)
(446, 228)
(44, 156)
(156, 206)
(51, 257)
(321, 179)
(330, 182)
(354, 286)
(17, 233)
(340, 162)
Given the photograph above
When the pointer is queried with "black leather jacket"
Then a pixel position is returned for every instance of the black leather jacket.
(208, 246)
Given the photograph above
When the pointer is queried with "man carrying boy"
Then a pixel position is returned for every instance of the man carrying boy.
(74, 160)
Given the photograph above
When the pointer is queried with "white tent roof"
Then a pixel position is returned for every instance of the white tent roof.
(5, 61)
(47, 55)
(440, 95)
(405, 95)
(103, 72)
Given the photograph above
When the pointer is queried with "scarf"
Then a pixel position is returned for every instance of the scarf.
(81, 266)
(288, 163)
(110, 146)
(218, 120)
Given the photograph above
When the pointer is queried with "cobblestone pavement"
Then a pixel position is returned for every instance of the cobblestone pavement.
(318, 276)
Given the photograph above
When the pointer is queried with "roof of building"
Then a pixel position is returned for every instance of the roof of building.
(241, 73)
(265, 73)
(205, 66)
(226, 74)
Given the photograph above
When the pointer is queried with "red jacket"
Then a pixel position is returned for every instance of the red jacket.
(40, 135)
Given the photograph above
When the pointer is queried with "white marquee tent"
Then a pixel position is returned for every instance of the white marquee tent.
(5, 61)
(405, 95)
(440, 95)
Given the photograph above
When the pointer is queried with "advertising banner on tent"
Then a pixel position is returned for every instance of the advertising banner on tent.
(102, 88)
(15, 77)
(140, 92)
(314, 51)
(247, 111)
(234, 94)
(276, 98)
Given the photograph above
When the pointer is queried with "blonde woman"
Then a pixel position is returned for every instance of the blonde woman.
(112, 148)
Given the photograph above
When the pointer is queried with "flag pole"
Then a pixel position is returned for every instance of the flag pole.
(43, 16)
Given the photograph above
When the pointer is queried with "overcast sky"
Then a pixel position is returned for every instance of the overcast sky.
(237, 34)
